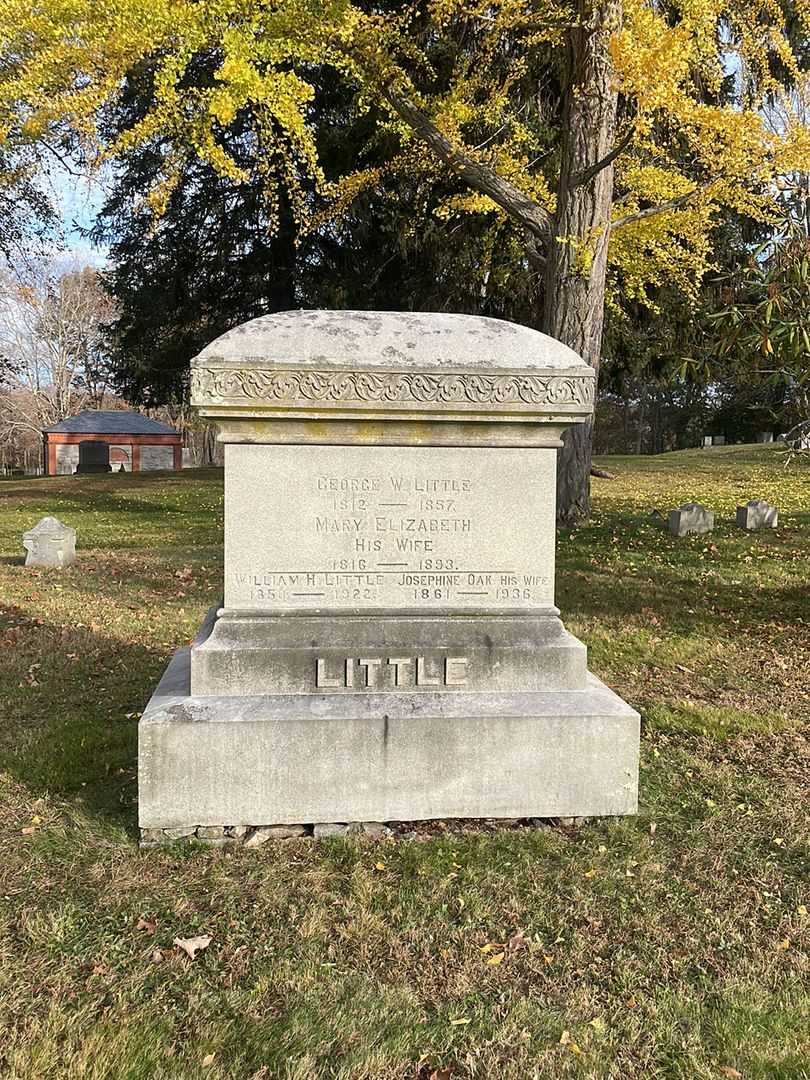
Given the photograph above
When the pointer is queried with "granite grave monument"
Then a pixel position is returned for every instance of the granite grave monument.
(388, 647)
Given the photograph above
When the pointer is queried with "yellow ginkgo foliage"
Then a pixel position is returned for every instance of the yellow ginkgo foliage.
(534, 105)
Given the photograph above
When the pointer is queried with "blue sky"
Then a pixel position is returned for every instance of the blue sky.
(77, 200)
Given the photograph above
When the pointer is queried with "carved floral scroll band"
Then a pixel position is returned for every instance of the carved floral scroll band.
(368, 387)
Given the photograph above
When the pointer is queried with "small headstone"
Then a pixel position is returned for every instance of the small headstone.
(50, 543)
(690, 518)
(707, 440)
(718, 440)
(757, 514)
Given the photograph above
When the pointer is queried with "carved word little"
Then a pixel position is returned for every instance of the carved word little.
(367, 673)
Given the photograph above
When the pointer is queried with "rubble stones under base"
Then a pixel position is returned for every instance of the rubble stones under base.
(262, 833)
(257, 835)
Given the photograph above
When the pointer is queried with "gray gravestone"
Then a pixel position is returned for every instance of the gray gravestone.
(690, 518)
(757, 514)
(388, 647)
(50, 543)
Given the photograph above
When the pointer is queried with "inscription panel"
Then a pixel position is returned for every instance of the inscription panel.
(344, 528)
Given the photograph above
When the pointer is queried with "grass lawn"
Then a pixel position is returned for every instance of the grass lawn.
(674, 944)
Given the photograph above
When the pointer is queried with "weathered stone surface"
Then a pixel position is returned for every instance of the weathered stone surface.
(210, 832)
(690, 518)
(407, 529)
(374, 828)
(262, 833)
(260, 654)
(757, 514)
(181, 832)
(156, 457)
(384, 757)
(50, 543)
(237, 832)
(345, 364)
(323, 830)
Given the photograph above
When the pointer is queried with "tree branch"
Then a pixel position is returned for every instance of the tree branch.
(584, 175)
(670, 204)
(477, 175)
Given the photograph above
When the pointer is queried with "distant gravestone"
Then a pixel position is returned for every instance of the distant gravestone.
(94, 457)
(718, 440)
(50, 543)
(690, 518)
(707, 440)
(764, 436)
(757, 514)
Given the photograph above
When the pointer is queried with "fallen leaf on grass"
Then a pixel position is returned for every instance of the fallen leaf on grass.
(569, 1044)
(782, 945)
(457, 1023)
(148, 925)
(517, 942)
(28, 830)
(208, 1060)
(100, 969)
(728, 1070)
(157, 956)
(192, 945)
(496, 959)
(441, 1074)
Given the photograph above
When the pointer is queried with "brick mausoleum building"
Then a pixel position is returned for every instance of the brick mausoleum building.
(131, 440)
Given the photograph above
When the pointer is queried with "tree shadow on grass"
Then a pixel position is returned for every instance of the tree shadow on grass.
(70, 705)
(711, 585)
(710, 608)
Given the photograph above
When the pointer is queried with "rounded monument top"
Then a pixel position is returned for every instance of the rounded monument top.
(390, 366)
(396, 339)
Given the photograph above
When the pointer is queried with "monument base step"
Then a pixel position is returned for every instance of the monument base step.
(243, 655)
(235, 761)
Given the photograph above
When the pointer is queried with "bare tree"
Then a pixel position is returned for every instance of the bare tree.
(53, 360)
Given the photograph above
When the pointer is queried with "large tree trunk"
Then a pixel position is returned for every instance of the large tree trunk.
(577, 256)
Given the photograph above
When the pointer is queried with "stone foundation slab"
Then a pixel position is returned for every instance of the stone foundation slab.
(396, 756)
